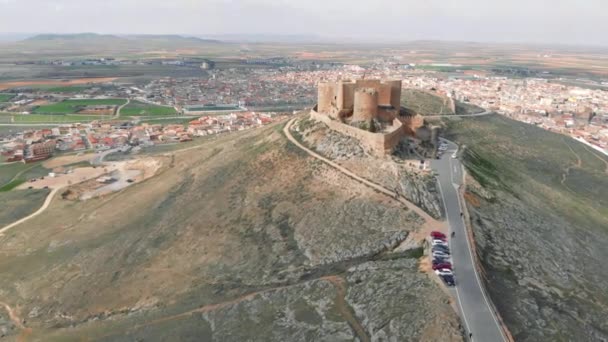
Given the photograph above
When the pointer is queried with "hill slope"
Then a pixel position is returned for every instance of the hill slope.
(244, 238)
(540, 216)
(91, 37)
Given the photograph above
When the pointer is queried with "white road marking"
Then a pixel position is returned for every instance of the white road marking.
(447, 215)
(471, 256)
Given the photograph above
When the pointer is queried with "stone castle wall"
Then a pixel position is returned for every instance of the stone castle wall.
(338, 99)
(377, 143)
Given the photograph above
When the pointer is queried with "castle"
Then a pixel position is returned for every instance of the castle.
(368, 110)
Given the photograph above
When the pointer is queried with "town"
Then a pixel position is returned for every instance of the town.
(273, 87)
(39, 144)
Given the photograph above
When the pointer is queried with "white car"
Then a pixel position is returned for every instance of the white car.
(455, 155)
(439, 242)
(439, 254)
(442, 148)
(444, 272)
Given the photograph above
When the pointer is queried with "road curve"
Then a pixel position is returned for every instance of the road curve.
(45, 205)
(476, 309)
(362, 180)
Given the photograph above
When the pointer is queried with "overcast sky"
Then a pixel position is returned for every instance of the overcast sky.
(549, 21)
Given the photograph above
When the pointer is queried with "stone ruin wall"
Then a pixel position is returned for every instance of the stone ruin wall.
(377, 143)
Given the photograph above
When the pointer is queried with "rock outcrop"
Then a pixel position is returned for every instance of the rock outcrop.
(422, 191)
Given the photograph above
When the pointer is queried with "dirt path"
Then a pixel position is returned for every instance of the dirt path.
(377, 187)
(579, 163)
(19, 174)
(45, 205)
(592, 151)
(13, 316)
(120, 108)
(345, 309)
(17, 321)
(337, 281)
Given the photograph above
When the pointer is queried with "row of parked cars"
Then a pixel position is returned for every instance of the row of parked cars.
(442, 264)
(443, 147)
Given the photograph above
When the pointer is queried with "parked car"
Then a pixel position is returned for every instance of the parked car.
(443, 265)
(439, 242)
(440, 248)
(449, 280)
(439, 254)
(444, 272)
(436, 234)
(440, 238)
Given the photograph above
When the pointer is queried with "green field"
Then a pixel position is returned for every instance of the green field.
(12, 175)
(136, 108)
(73, 106)
(211, 108)
(6, 97)
(45, 118)
(167, 121)
(20, 203)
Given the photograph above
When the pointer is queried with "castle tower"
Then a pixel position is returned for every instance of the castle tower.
(326, 96)
(395, 94)
(366, 105)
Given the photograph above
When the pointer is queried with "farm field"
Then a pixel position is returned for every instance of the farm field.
(74, 106)
(46, 118)
(50, 82)
(6, 97)
(137, 108)
(62, 89)
(20, 203)
(166, 121)
(12, 175)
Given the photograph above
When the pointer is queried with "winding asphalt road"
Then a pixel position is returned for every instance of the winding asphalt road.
(475, 308)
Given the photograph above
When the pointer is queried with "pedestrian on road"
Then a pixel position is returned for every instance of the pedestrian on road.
(453, 234)
(470, 336)
(461, 214)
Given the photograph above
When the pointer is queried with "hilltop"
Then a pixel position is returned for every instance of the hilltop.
(72, 37)
(107, 38)
(242, 238)
(91, 44)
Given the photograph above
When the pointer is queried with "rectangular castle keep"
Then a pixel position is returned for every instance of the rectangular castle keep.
(360, 100)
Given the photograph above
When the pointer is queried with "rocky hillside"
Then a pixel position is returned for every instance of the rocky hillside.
(392, 173)
(539, 210)
(243, 238)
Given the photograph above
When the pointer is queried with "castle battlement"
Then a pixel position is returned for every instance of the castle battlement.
(368, 110)
(360, 100)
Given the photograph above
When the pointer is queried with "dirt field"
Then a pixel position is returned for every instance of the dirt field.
(66, 160)
(82, 180)
(79, 175)
(97, 111)
(16, 84)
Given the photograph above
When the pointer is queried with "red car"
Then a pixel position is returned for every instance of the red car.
(442, 266)
(438, 235)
